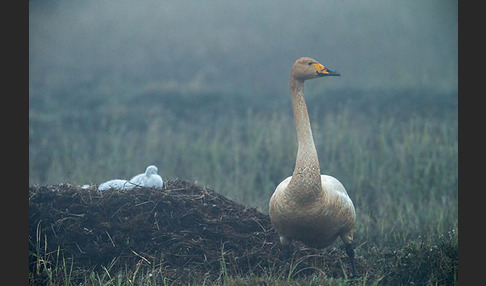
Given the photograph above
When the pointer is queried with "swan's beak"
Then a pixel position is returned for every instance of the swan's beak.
(328, 72)
(322, 71)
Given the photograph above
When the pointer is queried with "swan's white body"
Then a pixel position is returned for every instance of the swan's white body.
(308, 206)
(115, 184)
(148, 179)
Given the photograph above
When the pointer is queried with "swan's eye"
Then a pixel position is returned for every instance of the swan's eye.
(310, 63)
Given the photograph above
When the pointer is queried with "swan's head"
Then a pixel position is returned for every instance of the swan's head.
(308, 68)
(151, 170)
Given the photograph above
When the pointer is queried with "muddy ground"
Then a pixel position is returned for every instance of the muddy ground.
(188, 230)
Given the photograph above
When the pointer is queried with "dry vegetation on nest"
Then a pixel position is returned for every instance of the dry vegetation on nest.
(183, 233)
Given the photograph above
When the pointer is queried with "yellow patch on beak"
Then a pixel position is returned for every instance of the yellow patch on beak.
(320, 69)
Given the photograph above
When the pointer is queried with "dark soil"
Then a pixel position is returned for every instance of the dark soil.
(188, 230)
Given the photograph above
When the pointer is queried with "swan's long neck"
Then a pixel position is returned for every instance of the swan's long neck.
(306, 178)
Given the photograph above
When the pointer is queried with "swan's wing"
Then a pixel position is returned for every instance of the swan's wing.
(137, 180)
(334, 186)
(280, 188)
(276, 199)
(152, 181)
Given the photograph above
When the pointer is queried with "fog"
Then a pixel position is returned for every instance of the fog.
(244, 47)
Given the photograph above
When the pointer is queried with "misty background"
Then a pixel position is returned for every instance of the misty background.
(104, 72)
(240, 45)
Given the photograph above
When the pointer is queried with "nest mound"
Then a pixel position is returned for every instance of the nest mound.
(190, 231)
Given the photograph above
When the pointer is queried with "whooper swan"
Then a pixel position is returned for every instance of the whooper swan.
(308, 206)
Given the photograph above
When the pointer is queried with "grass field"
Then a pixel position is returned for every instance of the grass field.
(394, 151)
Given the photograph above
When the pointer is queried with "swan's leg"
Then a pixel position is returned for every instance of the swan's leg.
(350, 252)
(286, 251)
(348, 243)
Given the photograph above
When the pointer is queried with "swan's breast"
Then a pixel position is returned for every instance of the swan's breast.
(317, 224)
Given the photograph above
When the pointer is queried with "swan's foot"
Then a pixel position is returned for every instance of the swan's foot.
(350, 252)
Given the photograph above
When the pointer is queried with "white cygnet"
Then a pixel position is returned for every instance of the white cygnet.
(148, 179)
(115, 184)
